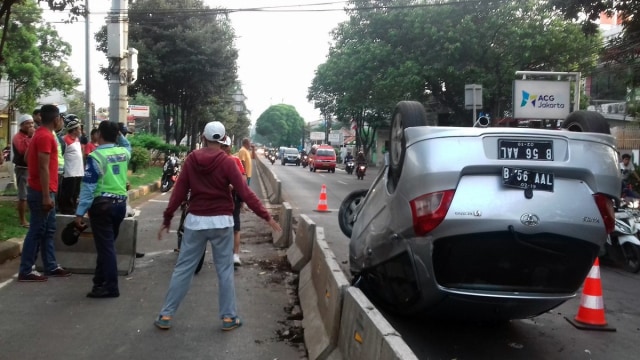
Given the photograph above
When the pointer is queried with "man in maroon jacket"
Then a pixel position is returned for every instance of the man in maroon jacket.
(205, 177)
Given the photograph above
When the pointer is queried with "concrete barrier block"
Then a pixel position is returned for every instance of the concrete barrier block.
(322, 285)
(81, 257)
(283, 239)
(365, 334)
(299, 253)
(10, 249)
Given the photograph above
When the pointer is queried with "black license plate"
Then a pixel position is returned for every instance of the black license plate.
(527, 179)
(525, 150)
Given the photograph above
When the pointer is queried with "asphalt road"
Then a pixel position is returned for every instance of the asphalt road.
(548, 336)
(54, 320)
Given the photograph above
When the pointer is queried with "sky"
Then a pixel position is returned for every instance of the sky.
(278, 52)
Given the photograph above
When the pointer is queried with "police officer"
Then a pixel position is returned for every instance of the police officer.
(104, 196)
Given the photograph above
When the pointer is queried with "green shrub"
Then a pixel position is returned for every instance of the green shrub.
(140, 158)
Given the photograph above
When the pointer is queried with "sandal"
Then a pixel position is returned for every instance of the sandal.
(163, 322)
(231, 323)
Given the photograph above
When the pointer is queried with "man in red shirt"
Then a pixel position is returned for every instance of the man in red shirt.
(20, 143)
(42, 181)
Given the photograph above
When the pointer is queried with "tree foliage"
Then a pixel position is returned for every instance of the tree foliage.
(589, 12)
(392, 50)
(280, 125)
(35, 60)
(75, 9)
(186, 63)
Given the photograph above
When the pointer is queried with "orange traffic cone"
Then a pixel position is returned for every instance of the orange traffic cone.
(322, 204)
(591, 311)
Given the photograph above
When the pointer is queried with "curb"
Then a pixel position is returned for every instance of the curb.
(11, 248)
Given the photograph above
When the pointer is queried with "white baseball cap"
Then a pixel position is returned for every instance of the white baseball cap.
(23, 118)
(214, 131)
(227, 141)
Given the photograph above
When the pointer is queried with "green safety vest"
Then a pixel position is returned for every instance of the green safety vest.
(60, 153)
(112, 163)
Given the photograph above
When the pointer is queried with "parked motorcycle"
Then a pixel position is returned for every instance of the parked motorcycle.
(304, 161)
(360, 171)
(170, 171)
(349, 167)
(622, 245)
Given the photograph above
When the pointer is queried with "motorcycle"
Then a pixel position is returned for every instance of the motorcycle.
(170, 171)
(349, 167)
(272, 158)
(304, 161)
(360, 171)
(622, 245)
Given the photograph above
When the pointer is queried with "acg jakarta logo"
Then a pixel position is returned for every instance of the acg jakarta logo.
(540, 101)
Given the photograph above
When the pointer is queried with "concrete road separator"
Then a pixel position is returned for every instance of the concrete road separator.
(283, 239)
(81, 257)
(366, 334)
(321, 289)
(299, 253)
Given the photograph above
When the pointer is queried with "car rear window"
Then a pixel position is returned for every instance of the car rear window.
(325, 152)
(289, 152)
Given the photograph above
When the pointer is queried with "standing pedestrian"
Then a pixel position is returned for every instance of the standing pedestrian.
(237, 204)
(20, 143)
(104, 196)
(37, 119)
(73, 167)
(246, 154)
(206, 176)
(42, 181)
(92, 145)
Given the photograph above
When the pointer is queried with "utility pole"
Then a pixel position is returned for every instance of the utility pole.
(117, 42)
(88, 121)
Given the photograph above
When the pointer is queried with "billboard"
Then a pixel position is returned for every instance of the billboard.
(316, 135)
(138, 110)
(537, 99)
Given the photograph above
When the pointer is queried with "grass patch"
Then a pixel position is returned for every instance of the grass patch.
(9, 223)
(10, 226)
(145, 176)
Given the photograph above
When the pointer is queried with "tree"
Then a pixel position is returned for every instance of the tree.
(35, 59)
(589, 12)
(186, 62)
(410, 50)
(75, 7)
(280, 125)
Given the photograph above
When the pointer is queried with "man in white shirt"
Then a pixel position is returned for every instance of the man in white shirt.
(73, 167)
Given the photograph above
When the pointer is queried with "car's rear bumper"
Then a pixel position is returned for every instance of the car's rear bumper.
(498, 275)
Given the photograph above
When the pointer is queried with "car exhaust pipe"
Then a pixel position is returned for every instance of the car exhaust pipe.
(482, 121)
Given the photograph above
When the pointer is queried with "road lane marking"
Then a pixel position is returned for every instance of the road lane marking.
(342, 182)
(161, 201)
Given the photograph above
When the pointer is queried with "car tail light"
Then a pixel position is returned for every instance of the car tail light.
(605, 205)
(429, 210)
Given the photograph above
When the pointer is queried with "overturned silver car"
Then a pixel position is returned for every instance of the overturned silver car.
(479, 222)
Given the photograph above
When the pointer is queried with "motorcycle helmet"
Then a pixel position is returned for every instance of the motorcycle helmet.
(71, 233)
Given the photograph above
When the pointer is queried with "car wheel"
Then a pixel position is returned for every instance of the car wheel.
(348, 210)
(586, 121)
(631, 255)
(406, 114)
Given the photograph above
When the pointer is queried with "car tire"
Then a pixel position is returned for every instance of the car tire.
(586, 121)
(406, 114)
(348, 209)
